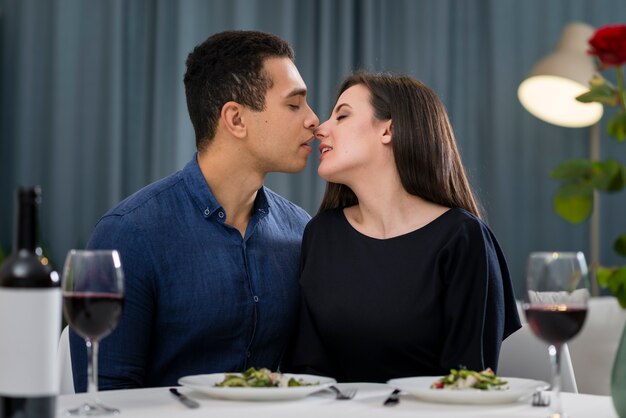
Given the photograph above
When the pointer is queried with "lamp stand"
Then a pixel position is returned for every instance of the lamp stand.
(594, 224)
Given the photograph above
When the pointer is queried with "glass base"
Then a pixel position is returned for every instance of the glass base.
(91, 410)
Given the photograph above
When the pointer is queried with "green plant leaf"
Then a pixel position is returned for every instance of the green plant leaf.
(608, 176)
(600, 90)
(603, 275)
(572, 170)
(617, 126)
(620, 245)
(619, 181)
(613, 278)
(573, 202)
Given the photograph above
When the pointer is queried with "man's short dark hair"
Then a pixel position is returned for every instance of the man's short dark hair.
(228, 66)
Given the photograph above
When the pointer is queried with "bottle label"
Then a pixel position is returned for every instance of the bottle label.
(30, 326)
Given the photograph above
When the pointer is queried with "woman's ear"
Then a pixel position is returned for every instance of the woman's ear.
(232, 119)
(387, 133)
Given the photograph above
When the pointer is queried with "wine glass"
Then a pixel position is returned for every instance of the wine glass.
(93, 295)
(555, 303)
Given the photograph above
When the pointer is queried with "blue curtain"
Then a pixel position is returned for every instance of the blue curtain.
(93, 104)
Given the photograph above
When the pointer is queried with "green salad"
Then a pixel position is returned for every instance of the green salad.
(469, 379)
(261, 378)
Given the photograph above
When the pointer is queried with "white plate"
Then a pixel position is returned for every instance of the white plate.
(205, 383)
(420, 388)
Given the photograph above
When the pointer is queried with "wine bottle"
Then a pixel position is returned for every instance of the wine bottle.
(30, 320)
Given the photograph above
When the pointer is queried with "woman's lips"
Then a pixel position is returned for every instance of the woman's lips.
(324, 149)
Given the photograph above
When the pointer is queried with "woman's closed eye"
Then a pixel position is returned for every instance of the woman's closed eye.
(294, 106)
(339, 117)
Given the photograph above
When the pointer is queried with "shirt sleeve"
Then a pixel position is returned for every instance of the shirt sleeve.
(478, 299)
(124, 352)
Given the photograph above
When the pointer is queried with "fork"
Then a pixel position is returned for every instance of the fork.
(540, 399)
(343, 395)
(393, 399)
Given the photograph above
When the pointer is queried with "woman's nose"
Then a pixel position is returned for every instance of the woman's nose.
(321, 131)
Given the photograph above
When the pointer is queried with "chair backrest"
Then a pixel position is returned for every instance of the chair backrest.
(593, 349)
(524, 355)
(64, 361)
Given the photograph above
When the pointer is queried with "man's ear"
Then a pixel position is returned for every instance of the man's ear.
(387, 134)
(233, 120)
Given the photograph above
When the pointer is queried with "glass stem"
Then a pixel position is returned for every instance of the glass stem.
(92, 366)
(555, 359)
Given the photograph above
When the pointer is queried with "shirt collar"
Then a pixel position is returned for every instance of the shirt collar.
(203, 196)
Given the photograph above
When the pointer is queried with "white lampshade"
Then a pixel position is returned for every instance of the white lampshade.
(550, 90)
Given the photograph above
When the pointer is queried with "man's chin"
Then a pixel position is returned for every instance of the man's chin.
(294, 168)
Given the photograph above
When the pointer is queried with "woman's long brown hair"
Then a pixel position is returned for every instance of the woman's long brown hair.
(423, 143)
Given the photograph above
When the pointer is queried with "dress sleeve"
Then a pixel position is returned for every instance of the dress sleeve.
(479, 305)
(124, 352)
(306, 353)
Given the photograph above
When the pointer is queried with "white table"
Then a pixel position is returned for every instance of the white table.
(159, 403)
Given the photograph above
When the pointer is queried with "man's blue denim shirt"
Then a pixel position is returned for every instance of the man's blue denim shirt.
(199, 298)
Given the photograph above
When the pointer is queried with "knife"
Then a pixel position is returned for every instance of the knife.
(188, 402)
(393, 399)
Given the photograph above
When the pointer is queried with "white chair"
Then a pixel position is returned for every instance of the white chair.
(524, 355)
(64, 361)
(593, 349)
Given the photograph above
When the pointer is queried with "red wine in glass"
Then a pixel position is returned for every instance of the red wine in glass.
(93, 295)
(556, 324)
(555, 303)
(93, 315)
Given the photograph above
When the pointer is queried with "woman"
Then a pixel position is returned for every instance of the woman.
(399, 275)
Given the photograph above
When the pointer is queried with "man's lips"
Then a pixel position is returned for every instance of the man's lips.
(307, 146)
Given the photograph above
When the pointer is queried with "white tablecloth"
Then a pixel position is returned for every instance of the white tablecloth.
(159, 403)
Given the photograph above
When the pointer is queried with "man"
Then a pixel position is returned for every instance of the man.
(211, 256)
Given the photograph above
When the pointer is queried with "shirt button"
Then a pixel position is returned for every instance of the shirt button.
(248, 354)
(207, 212)
(220, 214)
(256, 298)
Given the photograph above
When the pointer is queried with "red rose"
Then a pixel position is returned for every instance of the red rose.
(609, 44)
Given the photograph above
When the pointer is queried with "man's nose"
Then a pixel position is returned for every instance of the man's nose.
(312, 121)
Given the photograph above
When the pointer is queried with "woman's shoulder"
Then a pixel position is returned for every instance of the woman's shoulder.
(323, 228)
(459, 226)
(456, 218)
(326, 217)
(465, 229)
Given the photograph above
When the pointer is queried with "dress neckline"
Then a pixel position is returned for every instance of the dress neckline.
(421, 229)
